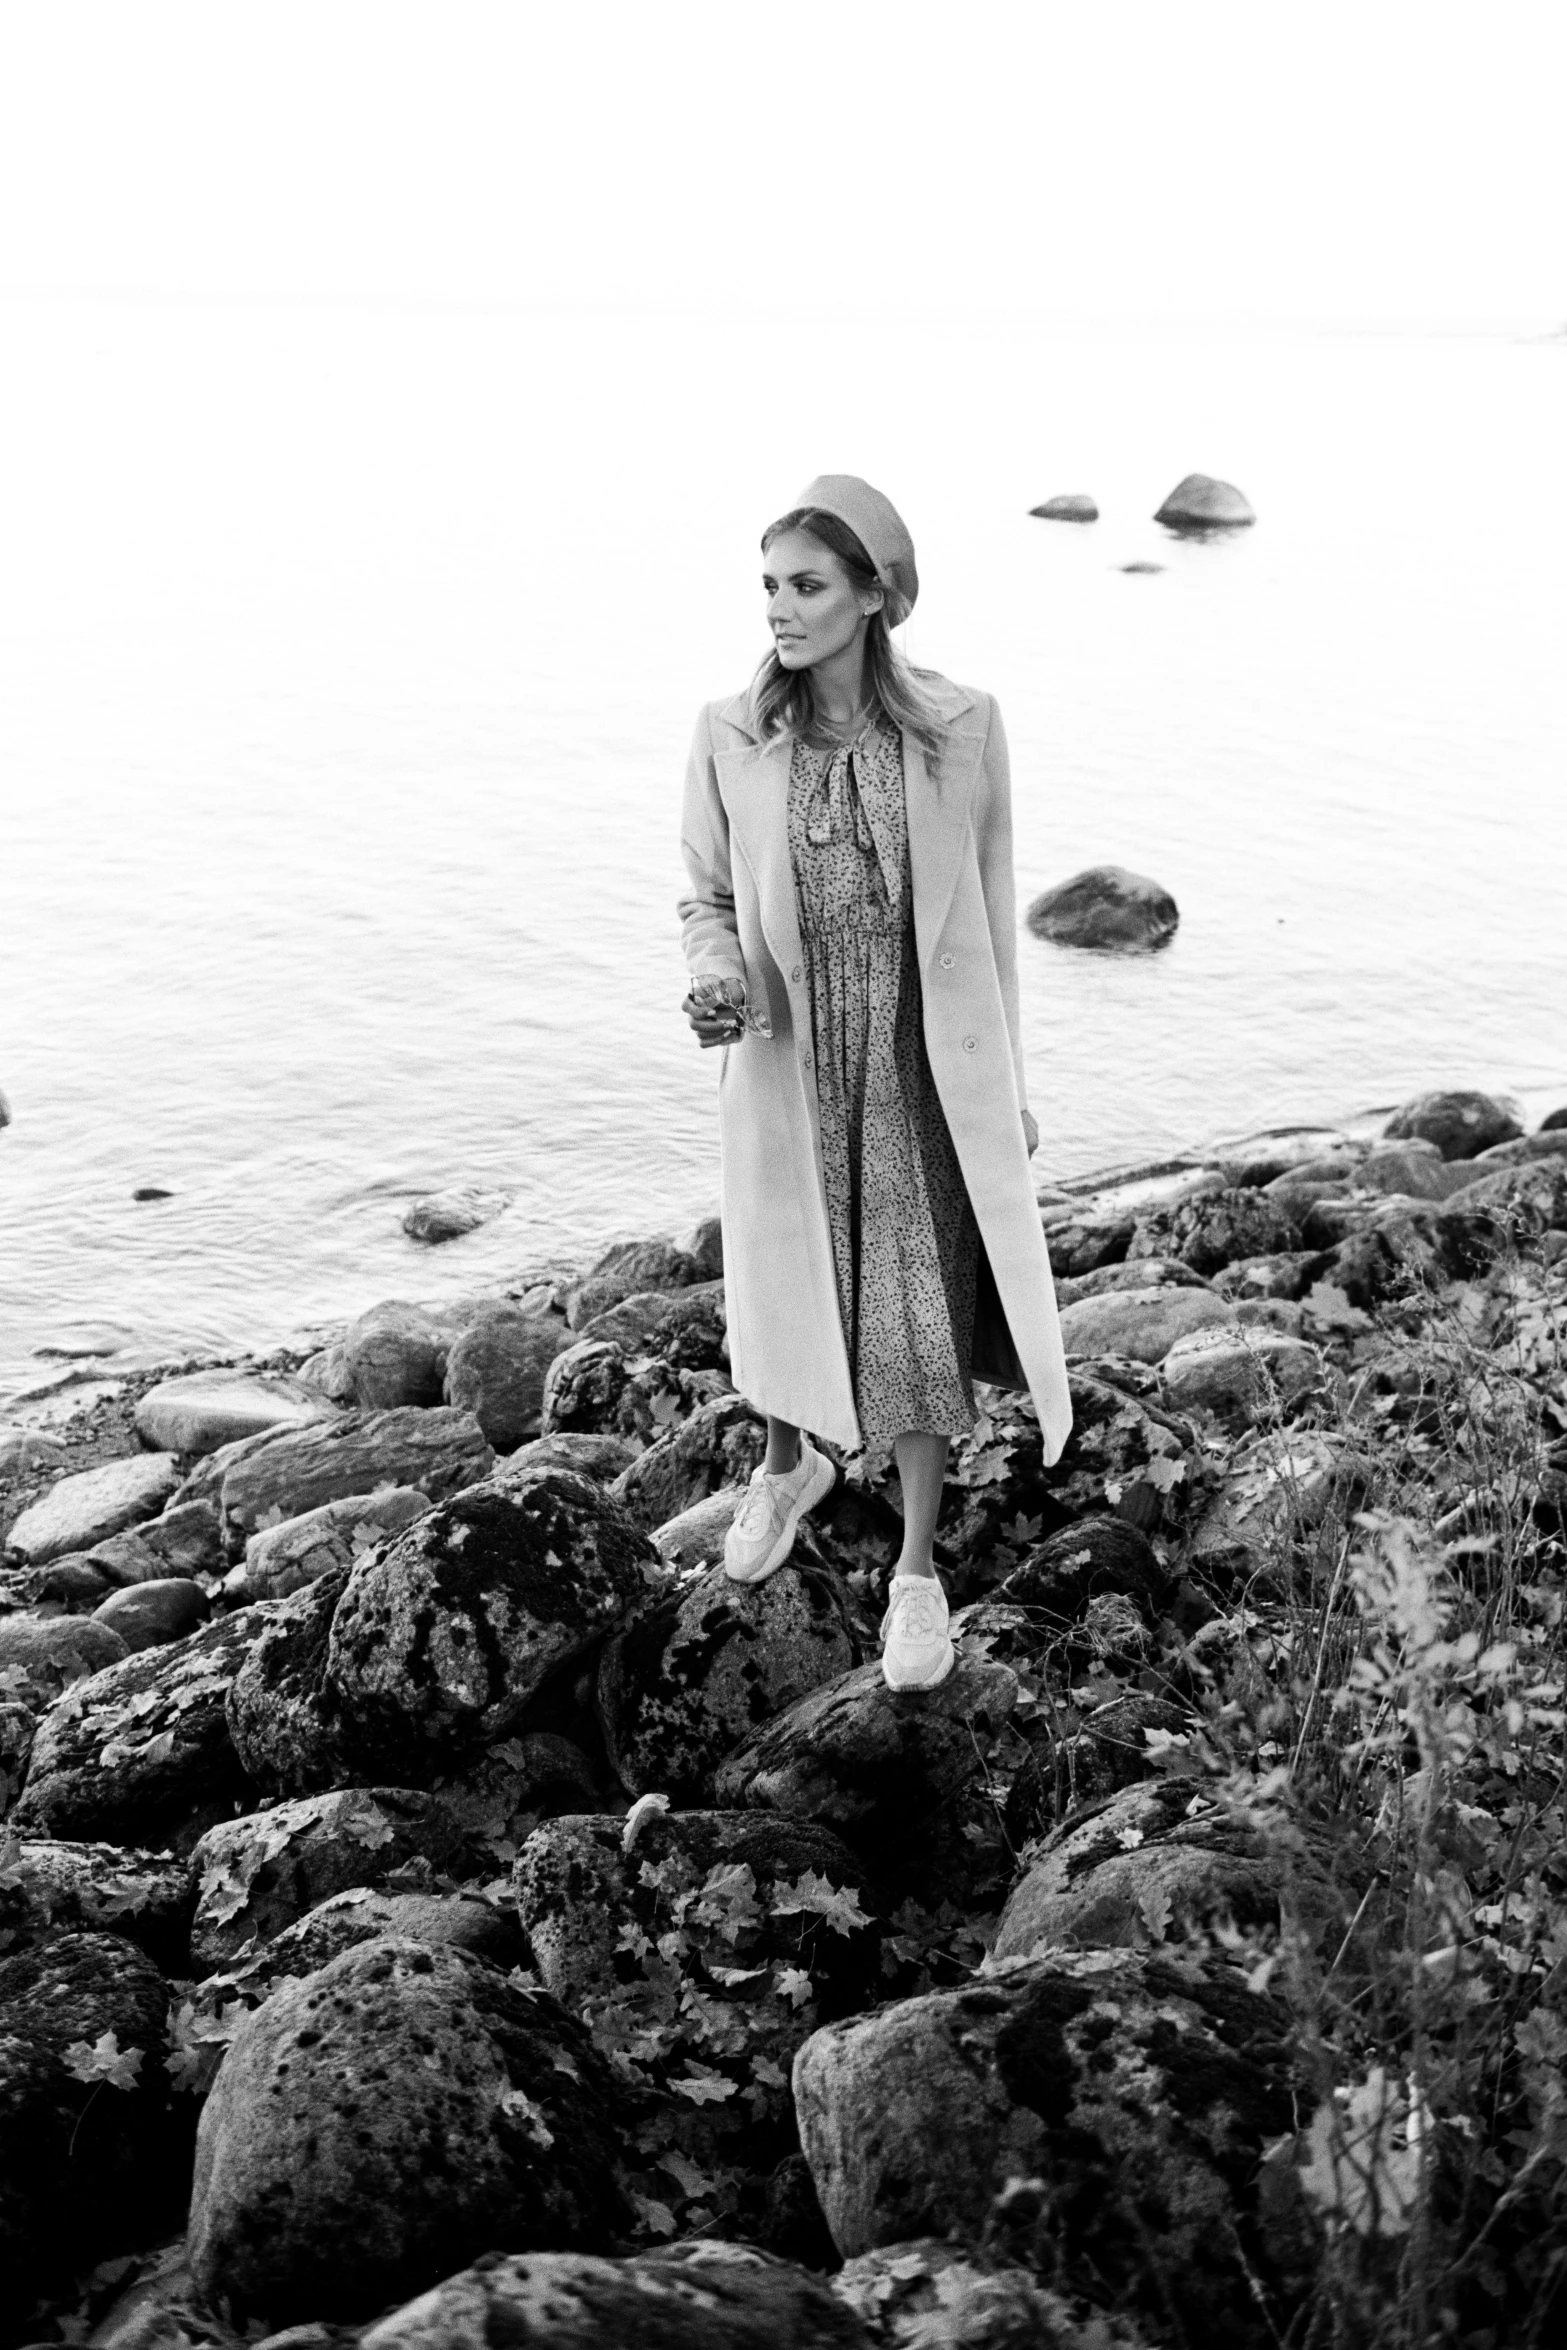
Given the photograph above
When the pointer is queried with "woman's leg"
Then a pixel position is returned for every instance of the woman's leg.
(783, 1447)
(922, 1463)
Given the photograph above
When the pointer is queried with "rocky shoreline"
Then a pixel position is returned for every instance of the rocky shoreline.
(437, 1907)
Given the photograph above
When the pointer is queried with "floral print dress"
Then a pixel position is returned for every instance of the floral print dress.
(905, 1242)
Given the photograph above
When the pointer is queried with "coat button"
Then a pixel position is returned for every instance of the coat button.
(795, 973)
(947, 962)
(971, 1044)
(805, 1060)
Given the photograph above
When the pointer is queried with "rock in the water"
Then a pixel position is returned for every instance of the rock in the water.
(282, 1559)
(706, 1668)
(590, 1453)
(1460, 1123)
(1199, 502)
(447, 1215)
(86, 1508)
(496, 1370)
(85, 2158)
(685, 1326)
(441, 1638)
(1070, 506)
(47, 1652)
(899, 1774)
(719, 1445)
(283, 1715)
(1212, 1230)
(392, 1355)
(256, 1875)
(910, 2296)
(1239, 1374)
(626, 1269)
(390, 2117)
(292, 1470)
(700, 2295)
(203, 1409)
(147, 1615)
(1142, 570)
(1141, 1868)
(1106, 906)
(1135, 2095)
(141, 1753)
(1141, 1323)
(50, 1886)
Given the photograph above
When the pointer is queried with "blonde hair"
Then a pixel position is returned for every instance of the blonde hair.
(783, 701)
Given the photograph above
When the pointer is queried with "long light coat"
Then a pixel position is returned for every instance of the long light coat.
(740, 920)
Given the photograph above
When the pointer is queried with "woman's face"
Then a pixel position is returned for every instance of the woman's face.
(813, 607)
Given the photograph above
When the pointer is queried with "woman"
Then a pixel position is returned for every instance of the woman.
(850, 929)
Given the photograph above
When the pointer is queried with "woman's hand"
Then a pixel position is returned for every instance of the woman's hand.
(1030, 1132)
(713, 1023)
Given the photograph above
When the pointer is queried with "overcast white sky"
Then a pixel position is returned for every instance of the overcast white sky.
(1357, 160)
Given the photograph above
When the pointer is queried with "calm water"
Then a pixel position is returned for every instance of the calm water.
(349, 664)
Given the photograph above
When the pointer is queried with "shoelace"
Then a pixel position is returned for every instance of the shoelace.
(920, 1616)
(756, 1510)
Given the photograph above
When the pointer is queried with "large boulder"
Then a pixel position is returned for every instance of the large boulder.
(82, 1510)
(708, 1944)
(1141, 1323)
(1135, 2094)
(1528, 1199)
(1210, 1231)
(1072, 1289)
(700, 2295)
(1106, 906)
(1154, 1863)
(41, 1655)
(256, 1875)
(595, 1453)
(51, 1886)
(84, 2151)
(141, 1754)
(903, 1776)
(283, 1558)
(707, 1667)
(496, 1370)
(1101, 1554)
(284, 1717)
(719, 1445)
(685, 1326)
(913, 2296)
(1199, 502)
(291, 1470)
(152, 1613)
(1239, 1375)
(626, 1268)
(200, 1410)
(393, 1354)
(1460, 1122)
(440, 1638)
(389, 2118)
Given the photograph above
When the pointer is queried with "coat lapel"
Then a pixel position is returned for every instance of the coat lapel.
(754, 780)
(939, 809)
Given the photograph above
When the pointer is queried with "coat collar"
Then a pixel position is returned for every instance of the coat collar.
(754, 777)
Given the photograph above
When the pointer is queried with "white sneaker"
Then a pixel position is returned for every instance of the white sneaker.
(916, 1647)
(762, 1533)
